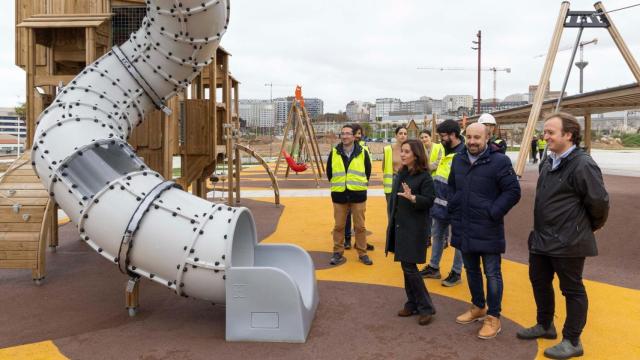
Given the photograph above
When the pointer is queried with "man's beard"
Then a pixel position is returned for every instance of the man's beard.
(475, 150)
(447, 144)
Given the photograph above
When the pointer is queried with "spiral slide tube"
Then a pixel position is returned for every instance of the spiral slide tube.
(145, 224)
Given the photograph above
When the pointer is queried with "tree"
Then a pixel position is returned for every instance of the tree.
(366, 128)
(21, 110)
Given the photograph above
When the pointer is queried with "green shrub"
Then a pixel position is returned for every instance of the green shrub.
(631, 140)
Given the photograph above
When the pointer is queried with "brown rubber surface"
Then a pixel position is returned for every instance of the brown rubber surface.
(618, 262)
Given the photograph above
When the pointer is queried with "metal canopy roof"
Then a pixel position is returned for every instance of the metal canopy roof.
(618, 98)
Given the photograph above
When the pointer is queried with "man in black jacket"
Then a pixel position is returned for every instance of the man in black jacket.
(571, 204)
(349, 170)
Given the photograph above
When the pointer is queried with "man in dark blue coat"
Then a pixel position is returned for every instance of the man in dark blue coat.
(484, 188)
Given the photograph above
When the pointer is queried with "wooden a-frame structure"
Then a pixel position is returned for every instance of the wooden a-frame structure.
(574, 19)
(304, 141)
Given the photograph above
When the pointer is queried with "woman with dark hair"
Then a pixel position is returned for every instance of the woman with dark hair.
(410, 201)
(434, 151)
(391, 161)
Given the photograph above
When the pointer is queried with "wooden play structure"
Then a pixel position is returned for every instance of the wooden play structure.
(55, 40)
(304, 145)
(611, 100)
(27, 219)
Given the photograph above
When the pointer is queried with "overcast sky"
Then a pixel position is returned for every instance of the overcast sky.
(343, 50)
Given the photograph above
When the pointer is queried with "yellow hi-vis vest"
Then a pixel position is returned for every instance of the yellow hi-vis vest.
(542, 144)
(354, 179)
(387, 172)
(364, 145)
(442, 176)
(437, 152)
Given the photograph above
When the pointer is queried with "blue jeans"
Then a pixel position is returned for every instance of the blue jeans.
(491, 265)
(440, 232)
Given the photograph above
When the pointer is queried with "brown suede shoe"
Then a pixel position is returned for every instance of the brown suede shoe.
(471, 315)
(406, 312)
(424, 319)
(491, 326)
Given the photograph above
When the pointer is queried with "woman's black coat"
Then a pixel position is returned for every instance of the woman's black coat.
(408, 226)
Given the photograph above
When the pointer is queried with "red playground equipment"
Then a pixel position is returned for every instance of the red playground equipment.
(298, 167)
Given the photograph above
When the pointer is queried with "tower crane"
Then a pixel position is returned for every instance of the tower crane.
(579, 64)
(271, 85)
(493, 69)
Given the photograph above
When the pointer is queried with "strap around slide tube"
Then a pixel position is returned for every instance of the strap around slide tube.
(136, 218)
(140, 80)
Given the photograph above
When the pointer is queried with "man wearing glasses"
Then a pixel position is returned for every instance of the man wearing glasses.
(348, 171)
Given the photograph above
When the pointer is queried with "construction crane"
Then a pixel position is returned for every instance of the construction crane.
(580, 64)
(271, 85)
(493, 69)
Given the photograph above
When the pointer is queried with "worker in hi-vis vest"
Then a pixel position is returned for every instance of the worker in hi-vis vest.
(449, 132)
(358, 134)
(434, 151)
(542, 144)
(391, 161)
(495, 142)
(348, 171)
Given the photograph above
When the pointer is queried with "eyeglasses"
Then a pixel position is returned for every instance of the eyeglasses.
(346, 134)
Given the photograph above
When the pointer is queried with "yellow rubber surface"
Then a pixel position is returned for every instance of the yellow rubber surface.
(45, 350)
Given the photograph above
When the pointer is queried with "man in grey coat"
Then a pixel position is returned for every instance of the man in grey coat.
(571, 204)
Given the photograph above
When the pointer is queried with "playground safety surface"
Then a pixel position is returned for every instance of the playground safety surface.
(78, 313)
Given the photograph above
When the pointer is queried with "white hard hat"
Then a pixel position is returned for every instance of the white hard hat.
(487, 119)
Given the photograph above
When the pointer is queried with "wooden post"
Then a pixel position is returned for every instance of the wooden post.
(228, 129)
(284, 138)
(587, 132)
(31, 73)
(542, 85)
(167, 141)
(53, 229)
(622, 46)
(237, 174)
(213, 110)
(305, 143)
(236, 104)
(314, 143)
(90, 44)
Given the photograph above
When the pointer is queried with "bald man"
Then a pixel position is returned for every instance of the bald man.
(484, 188)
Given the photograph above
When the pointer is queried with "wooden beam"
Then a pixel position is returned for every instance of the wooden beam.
(167, 148)
(284, 139)
(622, 46)
(52, 80)
(542, 86)
(236, 103)
(90, 45)
(30, 87)
(226, 90)
(237, 173)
